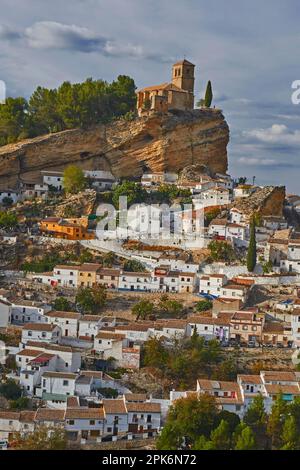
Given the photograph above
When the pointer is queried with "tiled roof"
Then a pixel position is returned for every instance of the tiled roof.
(85, 413)
(39, 327)
(60, 314)
(107, 335)
(135, 397)
(59, 375)
(114, 406)
(250, 379)
(29, 353)
(49, 414)
(145, 407)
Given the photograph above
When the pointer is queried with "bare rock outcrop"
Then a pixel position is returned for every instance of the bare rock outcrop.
(265, 201)
(155, 143)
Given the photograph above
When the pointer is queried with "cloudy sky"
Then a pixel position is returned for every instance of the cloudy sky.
(249, 50)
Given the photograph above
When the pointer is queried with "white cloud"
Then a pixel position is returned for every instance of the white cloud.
(257, 161)
(278, 134)
(53, 35)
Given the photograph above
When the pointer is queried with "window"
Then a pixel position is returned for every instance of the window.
(92, 422)
(109, 429)
(71, 421)
(29, 333)
(65, 383)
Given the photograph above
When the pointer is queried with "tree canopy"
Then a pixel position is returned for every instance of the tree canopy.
(69, 106)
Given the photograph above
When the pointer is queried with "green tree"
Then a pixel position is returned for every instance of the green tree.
(188, 419)
(208, 95)
(246, 439)
(154, 353)
(74, 179)
(61, 304)
(91, 300)
(256, 414)
(276, 421)
(8, 220)
(22, 403)
(251, 255)
(43, 438)
(290, 434)
(220, 437)
(13, 120)
(231, 419)
(10, 390)
(143, 309)
(134, 266)
(170, 307)
(134, 192)
(221, 251)
(204, 305)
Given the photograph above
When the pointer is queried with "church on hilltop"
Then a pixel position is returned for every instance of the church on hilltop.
(178, 94)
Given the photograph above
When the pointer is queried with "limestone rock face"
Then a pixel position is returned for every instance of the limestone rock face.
(155, 143)
(268, 200)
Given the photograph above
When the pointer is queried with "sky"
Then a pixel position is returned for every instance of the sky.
(249, 51)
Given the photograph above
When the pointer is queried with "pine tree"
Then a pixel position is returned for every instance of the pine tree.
(208, 95)
(290, 434)
(220, 437)
(251, 255)
(246, 440)
(256, 414)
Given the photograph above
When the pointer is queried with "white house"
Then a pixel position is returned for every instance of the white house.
(26, 311)
(171, 329)
(15, 421)
(236, 216)
(135, 281)
(101, 180)
(243, 190)
(67, 321)
(136, 332)
(66, 275)
(116, 420)
(30, 376)
(42, 332)
(53, 178)
(89, 325)
(84, 423)
(142, 417)
(153, 179)
(57, 386)
(227, 394)
(212, 284)
(217, 196)
(68, 359)
(178, 263)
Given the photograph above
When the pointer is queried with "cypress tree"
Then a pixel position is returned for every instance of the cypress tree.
(208, 95)
(251, 255)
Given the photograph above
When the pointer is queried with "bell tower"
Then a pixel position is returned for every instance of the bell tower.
(183, 75)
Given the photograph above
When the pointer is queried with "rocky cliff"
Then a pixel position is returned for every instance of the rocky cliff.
(127, 148)
(265, 201)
